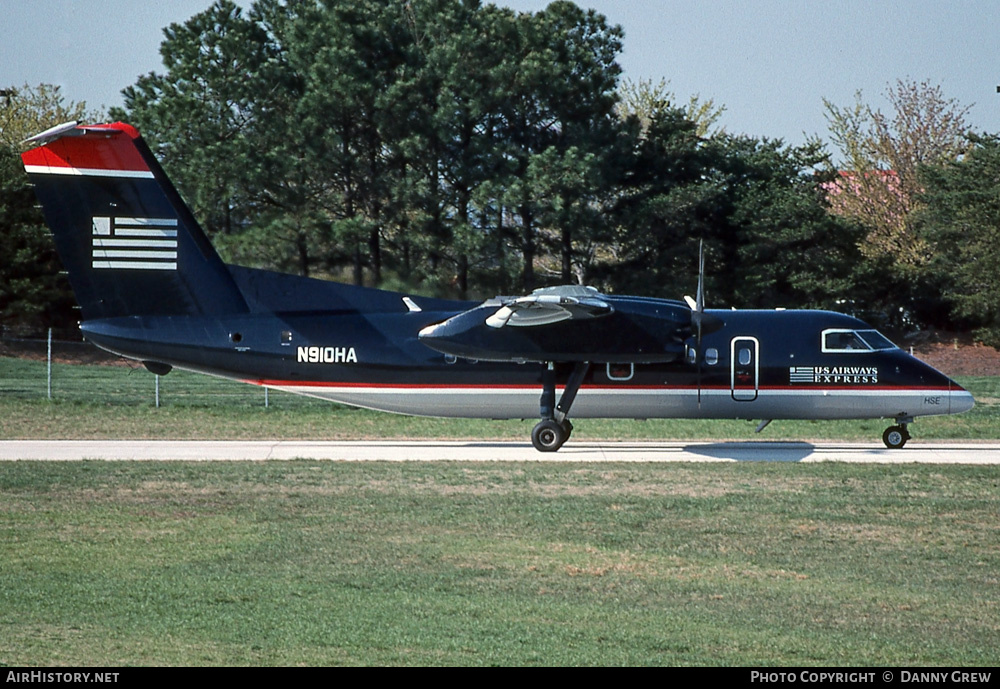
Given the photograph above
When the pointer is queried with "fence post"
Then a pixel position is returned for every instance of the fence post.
(157, 375)
(265, 397)
(49, 366)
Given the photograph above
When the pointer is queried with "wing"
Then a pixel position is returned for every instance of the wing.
(566, 324)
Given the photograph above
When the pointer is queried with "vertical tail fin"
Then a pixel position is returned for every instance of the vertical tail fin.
(129, 243)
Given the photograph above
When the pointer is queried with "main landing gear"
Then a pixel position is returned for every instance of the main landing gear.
(554, 429)
(548, 435)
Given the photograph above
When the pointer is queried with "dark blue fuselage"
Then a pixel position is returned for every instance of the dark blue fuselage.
(366, 352)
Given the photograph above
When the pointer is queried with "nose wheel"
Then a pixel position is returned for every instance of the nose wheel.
(895, 437)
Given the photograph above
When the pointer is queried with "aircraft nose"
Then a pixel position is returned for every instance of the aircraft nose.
(959, 399)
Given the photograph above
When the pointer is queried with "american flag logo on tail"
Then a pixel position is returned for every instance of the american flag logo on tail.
(135, 243)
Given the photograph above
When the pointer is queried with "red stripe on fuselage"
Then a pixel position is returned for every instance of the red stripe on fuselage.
(692, 388)
(104, 147)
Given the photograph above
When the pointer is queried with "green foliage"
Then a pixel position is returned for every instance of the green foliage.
(880, 186)
(905, 180)
(28, 110)
(200, 119)
(789, 250)
(643, 99)
(33, 294)
(390, 133)
(960, 219)
(664, 202)
(758, 205)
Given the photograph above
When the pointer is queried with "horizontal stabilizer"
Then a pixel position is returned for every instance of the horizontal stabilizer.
(53, 133)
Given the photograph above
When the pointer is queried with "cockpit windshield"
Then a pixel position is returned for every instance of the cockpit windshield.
(855, 341)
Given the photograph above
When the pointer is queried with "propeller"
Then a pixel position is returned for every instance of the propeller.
(697, 306)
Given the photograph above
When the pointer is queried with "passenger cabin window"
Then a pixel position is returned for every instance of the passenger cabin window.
(711, 356)
(845, 341)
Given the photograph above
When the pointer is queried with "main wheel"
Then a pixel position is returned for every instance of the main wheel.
(548, 435)
(567, 427)
(895, 437)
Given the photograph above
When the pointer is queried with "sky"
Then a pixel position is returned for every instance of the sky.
(770, 63)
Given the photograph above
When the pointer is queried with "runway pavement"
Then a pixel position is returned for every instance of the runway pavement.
(499, 451)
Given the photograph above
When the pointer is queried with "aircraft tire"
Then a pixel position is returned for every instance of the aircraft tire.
(567, 428)
(895, 437)
(548, 435)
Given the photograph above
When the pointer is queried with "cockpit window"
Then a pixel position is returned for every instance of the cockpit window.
(876, 340)
(855, 341)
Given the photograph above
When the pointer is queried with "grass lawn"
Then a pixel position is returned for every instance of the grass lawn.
(286, 563)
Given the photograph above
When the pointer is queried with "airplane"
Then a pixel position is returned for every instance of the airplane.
(151, 288)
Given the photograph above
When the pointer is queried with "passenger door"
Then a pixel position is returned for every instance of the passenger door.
(745, 368)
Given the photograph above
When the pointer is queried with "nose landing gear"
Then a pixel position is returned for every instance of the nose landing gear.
(895, 437)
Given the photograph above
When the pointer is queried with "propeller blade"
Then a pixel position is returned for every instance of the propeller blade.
(699, 311)
(701, 277)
